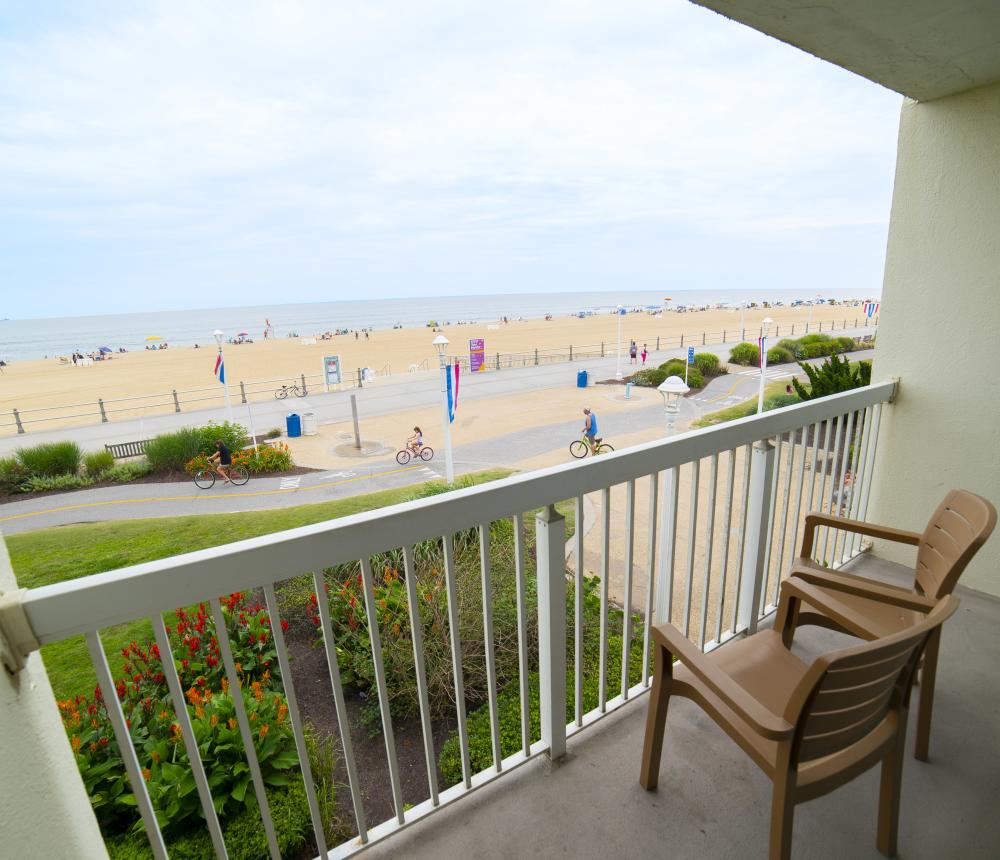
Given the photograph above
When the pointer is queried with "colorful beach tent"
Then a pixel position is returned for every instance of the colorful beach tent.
(105, 349)
(154, 337)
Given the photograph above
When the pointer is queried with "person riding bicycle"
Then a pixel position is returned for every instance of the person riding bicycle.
(590, 429)
(416, 441)
(223, 458)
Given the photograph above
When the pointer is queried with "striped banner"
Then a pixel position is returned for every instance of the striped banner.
(871, 308)
(453, 371)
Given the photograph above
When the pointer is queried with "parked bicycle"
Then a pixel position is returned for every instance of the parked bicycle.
(285, 390)
(425, 453)
(205, 479)
(581, 447)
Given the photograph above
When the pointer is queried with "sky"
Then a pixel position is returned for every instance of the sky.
(169, 155)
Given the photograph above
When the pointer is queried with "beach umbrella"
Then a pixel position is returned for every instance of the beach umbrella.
(105, 349)
(242, 333)
(154, 337)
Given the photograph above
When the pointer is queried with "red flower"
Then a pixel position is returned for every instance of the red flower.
(284, 624)
(104, 741)
(120, 688)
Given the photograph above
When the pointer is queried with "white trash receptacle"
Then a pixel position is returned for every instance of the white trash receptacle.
(310, 426)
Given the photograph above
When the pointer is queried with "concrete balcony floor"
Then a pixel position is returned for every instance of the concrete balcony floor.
(714, 802)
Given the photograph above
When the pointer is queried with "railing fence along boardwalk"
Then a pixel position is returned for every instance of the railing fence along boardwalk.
(708, 558)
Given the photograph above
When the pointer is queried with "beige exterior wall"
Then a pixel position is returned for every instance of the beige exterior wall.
(45, 810)
(940, 327)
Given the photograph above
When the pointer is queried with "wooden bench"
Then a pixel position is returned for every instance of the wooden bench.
(122, 450)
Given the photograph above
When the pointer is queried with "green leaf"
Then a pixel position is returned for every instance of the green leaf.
(187, 784)
(240, 788)
(277, 779)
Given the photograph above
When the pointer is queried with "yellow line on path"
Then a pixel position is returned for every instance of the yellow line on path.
(735, 385)
(205, 498)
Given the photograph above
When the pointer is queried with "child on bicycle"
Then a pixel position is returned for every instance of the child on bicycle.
(416, 441)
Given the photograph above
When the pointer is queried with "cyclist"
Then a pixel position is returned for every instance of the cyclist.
(223, 458)
(590, 429)
(415, 442)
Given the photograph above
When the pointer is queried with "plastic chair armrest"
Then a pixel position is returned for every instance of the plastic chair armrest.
(815, 518)
(870, 590)
(760, 719)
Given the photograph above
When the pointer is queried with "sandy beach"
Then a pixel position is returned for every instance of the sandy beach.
(152, 376)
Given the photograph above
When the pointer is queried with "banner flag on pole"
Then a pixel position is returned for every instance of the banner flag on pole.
(220, 368)
(453, 369)
(871, 308)
(761, 344)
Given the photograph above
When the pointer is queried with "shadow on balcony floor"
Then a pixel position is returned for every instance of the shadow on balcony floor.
(713, 802)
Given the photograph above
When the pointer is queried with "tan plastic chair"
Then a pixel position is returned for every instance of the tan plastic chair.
(809, 728)
(869, 609)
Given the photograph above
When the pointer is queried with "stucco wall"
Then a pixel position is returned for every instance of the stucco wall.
(45, 810)
(939, 329)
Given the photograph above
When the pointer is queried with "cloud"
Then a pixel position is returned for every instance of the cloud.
(273, 125)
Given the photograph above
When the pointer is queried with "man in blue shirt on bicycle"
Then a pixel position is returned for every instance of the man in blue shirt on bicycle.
(590, 429)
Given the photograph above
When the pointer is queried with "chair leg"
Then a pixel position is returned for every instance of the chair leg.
(656, 719)
(926, 707)
(782, 817)
(888, 796)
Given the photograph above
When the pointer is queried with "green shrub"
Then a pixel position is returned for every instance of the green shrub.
(694, 377)
(847, 344)
(777, 401)
(814, 338)
(673, 367)
(50, 458)
(832, 376)
(40, 483)
(779, 355)
(509, 704)
(266, 458)
(244, 833)
(789, 344)
(169, 452)
(816, 350)
(745, 353)
(649, 377)
(273, 433)
(125, 472)
(708, 363)
(96, 462)
(12, 474)
(865, 372)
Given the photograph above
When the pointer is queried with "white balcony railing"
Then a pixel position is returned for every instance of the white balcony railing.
(712, 559)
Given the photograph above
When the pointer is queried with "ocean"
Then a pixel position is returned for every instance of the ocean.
(39, 338)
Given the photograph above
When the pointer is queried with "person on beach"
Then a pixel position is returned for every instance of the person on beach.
(590, 429)
(644, 354)
(416, 441)
(222, 458)
(632, 353)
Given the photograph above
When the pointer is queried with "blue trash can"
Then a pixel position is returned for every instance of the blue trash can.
(293, 424)
(581, 379)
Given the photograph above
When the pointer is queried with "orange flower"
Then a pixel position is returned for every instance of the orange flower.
(146, 774)
(282, 711)
(199, 712)
(164, 715)
(75, 741)
(239, 667)
(225, 685)
(258, 693)
(231, 723)
(264, 729)
(93, 747)
(155, 756)
(253, 716)
(214, 720)
(267, 675)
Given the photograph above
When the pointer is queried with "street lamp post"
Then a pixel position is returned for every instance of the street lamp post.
(441, 345)
(743, 307)
(618, 366)
(766, 326)
(218, 335)
(672, 389)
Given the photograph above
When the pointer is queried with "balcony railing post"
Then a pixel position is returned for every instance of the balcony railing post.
(550, 538)
(664, 589)
(755, 545)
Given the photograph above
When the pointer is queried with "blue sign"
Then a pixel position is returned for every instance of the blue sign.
(690, 355)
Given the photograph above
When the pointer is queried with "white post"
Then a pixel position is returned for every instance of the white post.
(225, 385)
(763, 370)
(743, 307)
(618, 351)
(449, 463)
(550, 540)
(253, 432)
(755, 540)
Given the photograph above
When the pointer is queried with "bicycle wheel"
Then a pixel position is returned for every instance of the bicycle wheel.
(281, 393)
(403, 457)
(604, 448)
(204, 479)
(239, 475)
(579, 448)
(298, 391)
(426, 453)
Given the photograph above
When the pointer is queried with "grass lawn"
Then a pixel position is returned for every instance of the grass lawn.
(68, 552)
(747, 407)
